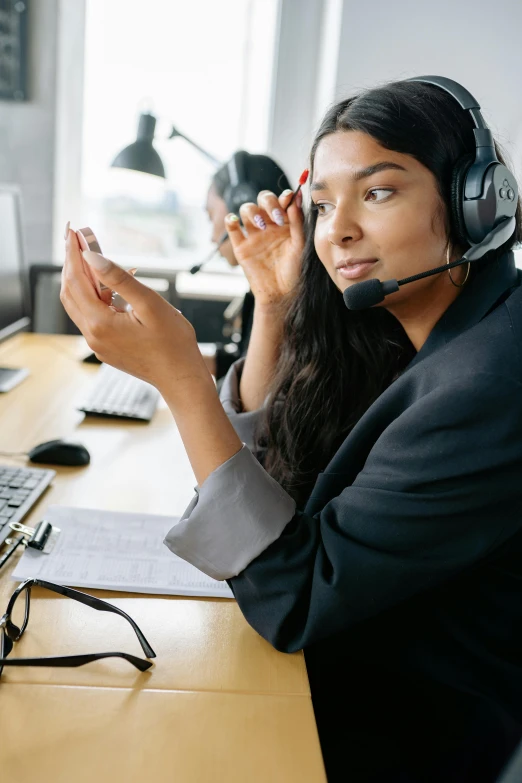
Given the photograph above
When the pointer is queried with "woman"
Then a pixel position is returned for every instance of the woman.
(383, 534)
(257, 173)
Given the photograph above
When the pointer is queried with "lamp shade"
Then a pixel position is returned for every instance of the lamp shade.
(141, 155)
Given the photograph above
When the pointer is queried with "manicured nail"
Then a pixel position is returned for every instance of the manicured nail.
(96, 260)
(259, 222)
(66, 232)
(287, 192)
(278, 217)
(231, 218)
(133, 270)
(299, 199)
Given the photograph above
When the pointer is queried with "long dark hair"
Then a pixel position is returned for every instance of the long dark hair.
(334, 363)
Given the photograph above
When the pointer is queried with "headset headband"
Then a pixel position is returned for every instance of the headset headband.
(484, 146)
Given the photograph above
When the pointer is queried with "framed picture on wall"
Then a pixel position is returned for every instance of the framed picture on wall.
(13, 50)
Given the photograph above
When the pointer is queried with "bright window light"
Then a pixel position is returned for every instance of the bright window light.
(205, 67)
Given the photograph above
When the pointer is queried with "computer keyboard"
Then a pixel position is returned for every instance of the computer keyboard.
(20, 488)
(118, 395)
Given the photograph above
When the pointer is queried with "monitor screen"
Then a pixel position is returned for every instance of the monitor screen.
(14, 309)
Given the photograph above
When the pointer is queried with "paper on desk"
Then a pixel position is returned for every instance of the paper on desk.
(114, 550)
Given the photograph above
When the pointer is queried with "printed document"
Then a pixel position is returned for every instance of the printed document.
(114, 550)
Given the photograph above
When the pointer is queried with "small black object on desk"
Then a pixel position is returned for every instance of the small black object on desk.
(41, 538)
(59, 452)
(40, 535)
(91, 358)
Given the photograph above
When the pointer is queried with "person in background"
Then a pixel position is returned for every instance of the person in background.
(259, 172)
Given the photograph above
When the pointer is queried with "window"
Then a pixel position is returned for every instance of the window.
(204, 66)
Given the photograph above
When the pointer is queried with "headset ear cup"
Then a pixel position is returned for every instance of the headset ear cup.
(240, 189)
(457, 197)
(241, 194)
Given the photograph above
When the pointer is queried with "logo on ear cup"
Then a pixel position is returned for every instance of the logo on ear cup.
(506, 191)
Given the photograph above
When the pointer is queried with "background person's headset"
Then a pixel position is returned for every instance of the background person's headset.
(484, 199)
(239, 190)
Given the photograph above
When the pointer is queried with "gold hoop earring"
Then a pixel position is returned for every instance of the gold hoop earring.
(457, 285)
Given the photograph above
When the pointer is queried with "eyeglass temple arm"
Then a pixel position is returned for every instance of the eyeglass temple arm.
(76, 660)
(100, 606)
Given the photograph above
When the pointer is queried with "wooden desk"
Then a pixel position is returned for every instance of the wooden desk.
(220, 703)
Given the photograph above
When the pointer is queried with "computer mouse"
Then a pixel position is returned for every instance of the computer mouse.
(59, 452)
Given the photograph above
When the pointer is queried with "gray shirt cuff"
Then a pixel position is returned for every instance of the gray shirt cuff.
(244, 423)
(236, 514)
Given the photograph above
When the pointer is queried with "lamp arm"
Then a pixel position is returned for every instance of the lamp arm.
(175, 132)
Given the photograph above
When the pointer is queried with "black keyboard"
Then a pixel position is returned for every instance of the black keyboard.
(20, 488)
(116, 394)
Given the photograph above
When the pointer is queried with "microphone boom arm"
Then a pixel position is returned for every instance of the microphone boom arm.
(367, 294)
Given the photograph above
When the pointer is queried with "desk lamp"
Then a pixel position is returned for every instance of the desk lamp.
(141, 155)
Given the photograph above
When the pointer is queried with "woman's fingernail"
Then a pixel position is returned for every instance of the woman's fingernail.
(96, 260)
(287, 192)
(278, 217)
(133, 270)
(259, 222)
(66, 232)
(299, 199)
(231, 218)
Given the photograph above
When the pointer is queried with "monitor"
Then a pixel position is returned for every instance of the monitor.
(14, 279)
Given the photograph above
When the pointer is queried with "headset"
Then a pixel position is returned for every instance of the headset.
(484, 198)
(241, 188)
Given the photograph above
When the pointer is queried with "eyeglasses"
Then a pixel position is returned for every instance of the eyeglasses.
(14, 622)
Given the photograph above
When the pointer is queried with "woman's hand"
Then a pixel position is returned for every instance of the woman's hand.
(152, 341)
(269, 248)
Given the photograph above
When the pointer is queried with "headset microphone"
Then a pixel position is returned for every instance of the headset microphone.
(361, 296)
(210, 256)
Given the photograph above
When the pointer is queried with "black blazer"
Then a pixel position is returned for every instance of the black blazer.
(402, 577)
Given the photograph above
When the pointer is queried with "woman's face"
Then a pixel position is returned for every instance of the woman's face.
(380, 215)
(217, 210)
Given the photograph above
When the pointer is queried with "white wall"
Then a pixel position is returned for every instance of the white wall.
(295, 76)
(475, 42)
(330, 49)
(27, 133)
